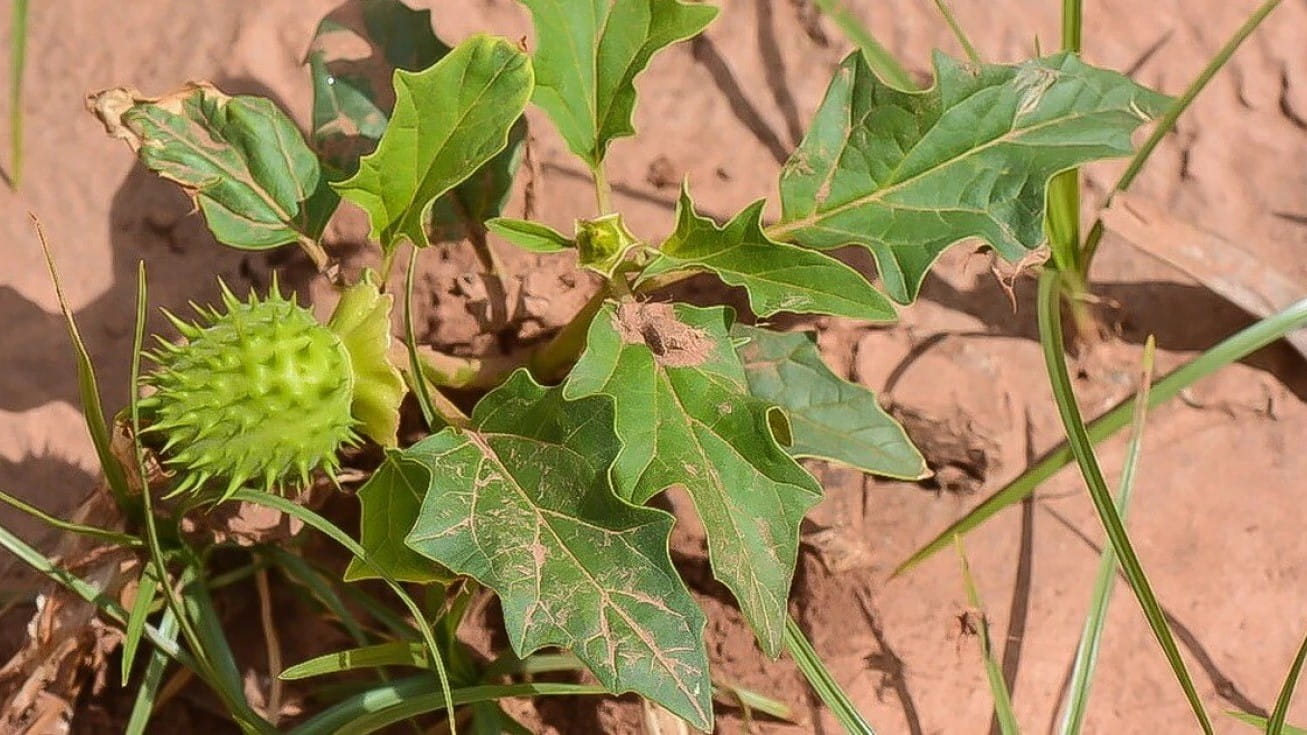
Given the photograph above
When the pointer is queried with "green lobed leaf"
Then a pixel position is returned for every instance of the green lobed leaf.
(685, 417)
(448, 121)
(362, 321)
(530, 236)
(778, 276)
(906, 175)
(388, 508)
(588, 55)
(830, 418)
(241, 158)
(522, 504)
(353, 100)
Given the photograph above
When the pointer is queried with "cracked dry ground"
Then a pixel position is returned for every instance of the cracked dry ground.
(1216, 514)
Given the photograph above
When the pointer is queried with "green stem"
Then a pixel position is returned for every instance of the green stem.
(567, 345)
(17, 62)
(1168, 121)
(1082, 447)
(603, 192)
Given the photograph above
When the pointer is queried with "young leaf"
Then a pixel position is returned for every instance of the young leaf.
(352, 93)
(362, 321)
(241, 158)
(448, 121)
(522, 504)
(906, 175)
(831, 418)
(530, 236)
(353, 100)
(589, 53)
(389, 504)
(778, 277)
(685, 417)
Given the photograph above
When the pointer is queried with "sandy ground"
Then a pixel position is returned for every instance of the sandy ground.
(1216, 519)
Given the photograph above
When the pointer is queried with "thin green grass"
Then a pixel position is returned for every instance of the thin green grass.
(881, 61)
(330, 530)
(1168, 121)
(1003, 712)
(1082, 675)
(88, 388)
(823, 682)
(1082, 446)
(148, 691)
(213, 656)
(1232, 349)
(1275, 724)
(17, 65)
(963, 40)
(1261, 723)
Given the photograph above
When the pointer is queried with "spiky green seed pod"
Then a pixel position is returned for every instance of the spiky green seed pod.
(257, 396)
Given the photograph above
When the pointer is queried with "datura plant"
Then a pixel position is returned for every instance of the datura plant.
(542, 494)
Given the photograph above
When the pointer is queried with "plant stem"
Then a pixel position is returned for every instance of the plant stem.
(570, 340)
(17, 62)
(1062, 217)
(273, 644)
(603, 192)
(1168, 121)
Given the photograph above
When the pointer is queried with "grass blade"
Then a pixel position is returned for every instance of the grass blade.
(330, 530)
(1232, 349)
(88, 389)
(1261, 723)
(147, 587)
(388, 704)
(958, 33)
(78, 586)
(17, 62)
(320, 589)
(1082, 674)
(1167, 122)
(1007, 719)
(206, 642)
(395, 653)
(821, 680)
(143, 707)
(1275, 725)
(1082, 446)
(100, 534)
(879, 59)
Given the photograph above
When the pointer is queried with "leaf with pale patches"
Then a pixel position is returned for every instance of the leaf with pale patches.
(906, 174)
(521, 503)
(685, 417)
